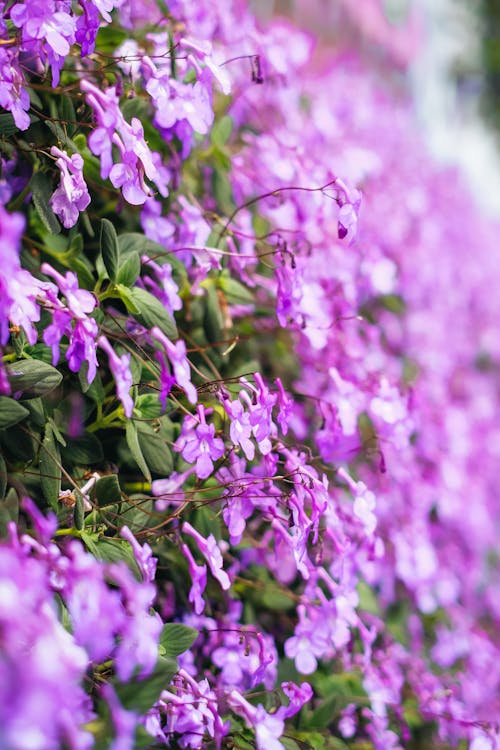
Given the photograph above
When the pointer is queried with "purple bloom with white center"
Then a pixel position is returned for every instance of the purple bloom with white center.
(201, 446)
(72, 195)
(176, 354)
(120, 368)
(211, 552)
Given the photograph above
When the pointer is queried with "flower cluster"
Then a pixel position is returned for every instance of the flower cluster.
(249, 375)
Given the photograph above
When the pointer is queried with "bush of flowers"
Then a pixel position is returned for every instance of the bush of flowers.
(248, 432)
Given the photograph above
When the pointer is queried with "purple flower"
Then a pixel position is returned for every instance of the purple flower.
(192, 712)
(124, 722)
(13, 95)
(176, 354)
(136, 159)
(168, 294)
(201, 446)
(240, 429)
(260, 406)
(47, 30)
(72, 321)
(19, 290)
(268, 728)
(72, 195)
(211, 552)
(198, 575)
(143, 555)
(120, 368)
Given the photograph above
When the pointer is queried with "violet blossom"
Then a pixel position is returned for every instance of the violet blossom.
(178, 360)
(120, 368)
(72, 195)
(211, 551)
(201, 445)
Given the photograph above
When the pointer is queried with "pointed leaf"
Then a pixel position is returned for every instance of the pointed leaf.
(176, 638)
(109, 249)
(41, 190)
(141, 695)
(129, 270)
(11, 412)
(153, 313)
(32, 377)
(135, 449)
(50, 468)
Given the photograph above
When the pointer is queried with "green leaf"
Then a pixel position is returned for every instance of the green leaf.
(115, 550)
(79, 511)
(126, 297)
(135, 449)
(7, 125)
(153, 313)
(129, 270)
(50, 468)
(11, 412)
(236, 293)
(90, 541)
(221, 131)
(41, 190)
(3, 477)
(32, 377)
(176, 638)
(82, 451)
(141, 695)
(107, 490)
(148, 406)
(95, 390)
(139, 514)
(155, 450)
(9, 511)
(109, 249)
(212, 316)
(136, 242)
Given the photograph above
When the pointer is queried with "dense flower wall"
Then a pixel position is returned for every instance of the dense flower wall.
(248, 423)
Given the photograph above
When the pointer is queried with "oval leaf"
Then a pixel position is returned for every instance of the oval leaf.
(11, 412)
(109, 249)
(41, 190)
(152, 312)
(155, 450)
(129, 269)
(135, 449)
(140, 695)
(32, 377)
(50, 468)
(176, 638)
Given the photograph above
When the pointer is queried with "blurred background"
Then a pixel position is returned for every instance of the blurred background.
(443, 54)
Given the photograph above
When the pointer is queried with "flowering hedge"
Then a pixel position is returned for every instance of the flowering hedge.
(248, 437)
